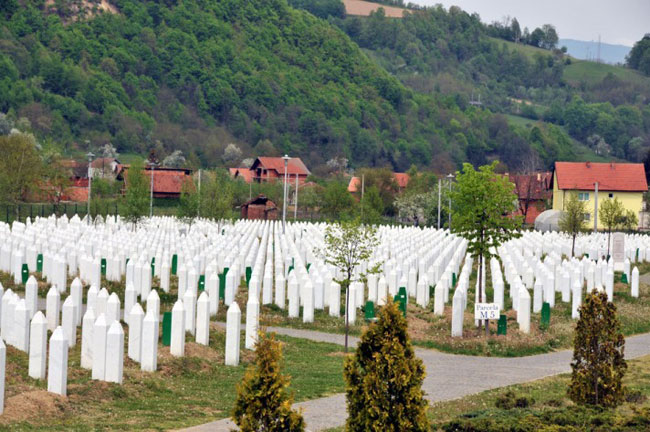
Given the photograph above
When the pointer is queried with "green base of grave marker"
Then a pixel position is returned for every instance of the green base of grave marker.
(167, 329)
(153, 266)
(103, 266)
(201, 283)
(174, 263)
(39, 263)
(369, 311)
(25, 273)
(546, 316)
(453, 280)
(624, 278)
(249, 273)
(502, 325)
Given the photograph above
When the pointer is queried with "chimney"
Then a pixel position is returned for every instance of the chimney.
(588, 164)
(539, 177)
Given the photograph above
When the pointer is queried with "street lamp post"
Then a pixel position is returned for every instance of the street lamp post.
(152, 167)
(90, 157)
(450, 177)
(284, 189)
(439, 196)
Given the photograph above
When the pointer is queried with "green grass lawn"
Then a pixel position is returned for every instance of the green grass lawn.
(527, 50)
(592, 72)
(185, 391)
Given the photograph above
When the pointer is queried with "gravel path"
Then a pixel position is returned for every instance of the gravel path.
(448, 376)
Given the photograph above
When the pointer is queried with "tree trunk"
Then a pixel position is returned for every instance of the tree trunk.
(573, 246)
(347, 305)
(609, 234)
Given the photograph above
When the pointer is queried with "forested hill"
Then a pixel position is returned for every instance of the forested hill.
(520, 72)
(197, 75)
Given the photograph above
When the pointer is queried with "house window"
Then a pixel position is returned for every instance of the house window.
(583, 196)
(611, 195)
(586, 217)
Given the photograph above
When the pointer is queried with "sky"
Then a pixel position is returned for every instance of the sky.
(617, 21)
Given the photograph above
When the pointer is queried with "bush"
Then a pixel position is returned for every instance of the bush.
(262, 401)
(598, 365)
(384, 379)
(509, 400)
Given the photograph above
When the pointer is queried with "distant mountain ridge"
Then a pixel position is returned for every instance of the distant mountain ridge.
(588, 50)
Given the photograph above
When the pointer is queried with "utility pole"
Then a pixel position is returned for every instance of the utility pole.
(90, 157)
(450, 177)
(596, 207)
(295, 205)
(284, 189)
(198, 210)
(439, 199)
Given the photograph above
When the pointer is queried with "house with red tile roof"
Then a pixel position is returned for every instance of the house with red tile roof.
(242, 173)
(534, 193)
(167, 182)
(269, 169)
(402, 180)
(625, 181)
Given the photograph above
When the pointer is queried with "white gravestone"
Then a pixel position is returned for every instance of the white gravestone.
(149, 355)
(57, 373)
(52, 308)
(114, 353)
(100, 331)
(233, 334)
(68, 321)
(38, 346)
(203, 319)
(252, 316)
(87, 324)
(135, 332)
(177, 346)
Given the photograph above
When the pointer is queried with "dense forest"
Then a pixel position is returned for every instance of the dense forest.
(200, 75)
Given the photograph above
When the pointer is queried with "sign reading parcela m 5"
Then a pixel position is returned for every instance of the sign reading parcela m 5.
(483, 311)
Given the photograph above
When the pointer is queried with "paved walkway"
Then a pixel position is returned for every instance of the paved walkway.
(448, 376)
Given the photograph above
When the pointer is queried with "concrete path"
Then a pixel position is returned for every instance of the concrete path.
(448, 376)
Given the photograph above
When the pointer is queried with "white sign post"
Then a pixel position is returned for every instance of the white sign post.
(618, 249)
(489, 311)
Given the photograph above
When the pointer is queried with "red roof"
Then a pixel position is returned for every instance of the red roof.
(532, 186)
(295, 165)
(168, 181)
(244, 173)
(402, 180)
(624, 177)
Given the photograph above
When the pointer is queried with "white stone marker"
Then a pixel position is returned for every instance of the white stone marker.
(523, 312)
(21, 326)
(113, 308)
(101, 303)
(252, 323)
(294, 300)
(3, 364)
(576, 299)
(609, 284)
(189, 304)
(87, 324)
(177, 346)
(130, 298)
(37, 346)
(537, 296)
(31, 295)
(308, 308)
(135, 332)
(457, 313)
(76, 292)
(351, 308)
(335, 299)
(499, 292)
(57, 372)
(635, 283)
(439, 299)
(153, 302)
(149, 351)
(280, 290)
(212, 287)
(100, 331)
(203, 319)
(382, 288)
(52, 308)
(164, 276)
(91, 297)
(114, 353)
(233, 334)
(68, 321)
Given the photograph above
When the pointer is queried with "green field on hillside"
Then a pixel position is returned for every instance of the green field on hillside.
(592, 72)
(528, 50)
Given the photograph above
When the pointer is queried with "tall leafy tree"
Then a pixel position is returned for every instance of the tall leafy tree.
(598, 364)
(348, 245)
(384, 379)
(263, 403)
(136, 198)
(483, 204)
(21, 167)
(611, 214)
(572, 220)
(216, 198)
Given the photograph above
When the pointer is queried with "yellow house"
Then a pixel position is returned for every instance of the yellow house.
(625, 181)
